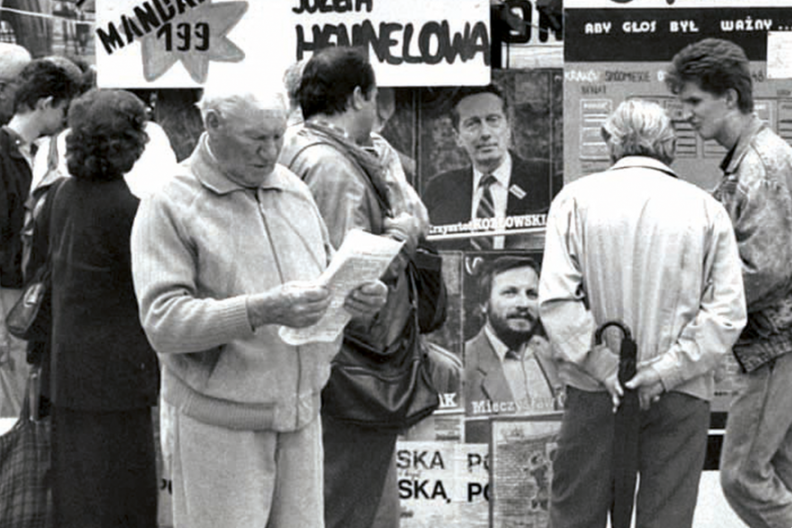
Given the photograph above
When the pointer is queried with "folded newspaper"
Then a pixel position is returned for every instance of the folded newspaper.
(362, 258)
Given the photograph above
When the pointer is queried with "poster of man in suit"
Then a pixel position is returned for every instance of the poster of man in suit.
(508, 369)
(498, 198)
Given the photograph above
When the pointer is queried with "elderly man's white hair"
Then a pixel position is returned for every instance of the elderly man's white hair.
(13, 59)
(640, 128)
(223, 96)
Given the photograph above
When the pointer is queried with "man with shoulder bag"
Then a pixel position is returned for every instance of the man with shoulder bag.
(44, 91)
(358, 182)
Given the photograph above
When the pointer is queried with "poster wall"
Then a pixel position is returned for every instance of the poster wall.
(424, 127)
(466, 465)
(616, 52)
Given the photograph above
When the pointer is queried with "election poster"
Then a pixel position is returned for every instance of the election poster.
(522, 452)
(508, 365)
(616, 51)
(443, 484)
(525, 145)
(180, 43)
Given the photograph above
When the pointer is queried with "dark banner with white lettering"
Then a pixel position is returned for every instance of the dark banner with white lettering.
(648, 35)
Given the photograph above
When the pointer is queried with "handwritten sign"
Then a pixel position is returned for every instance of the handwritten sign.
(181, 43)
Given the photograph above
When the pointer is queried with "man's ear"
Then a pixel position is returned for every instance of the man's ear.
(357, 98)
(45, 103)
(457, 139)
(732, 98)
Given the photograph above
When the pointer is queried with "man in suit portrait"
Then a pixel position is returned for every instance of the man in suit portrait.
(498, 183)
(508, 369)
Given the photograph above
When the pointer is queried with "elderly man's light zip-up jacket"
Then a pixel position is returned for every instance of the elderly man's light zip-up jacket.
(200, 247)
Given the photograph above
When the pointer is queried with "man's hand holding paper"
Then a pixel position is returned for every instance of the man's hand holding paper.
(366, 300)
(352, 278)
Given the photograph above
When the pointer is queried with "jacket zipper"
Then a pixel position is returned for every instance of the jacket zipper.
(282, 281)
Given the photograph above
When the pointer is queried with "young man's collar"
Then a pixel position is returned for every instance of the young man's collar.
(734, 157)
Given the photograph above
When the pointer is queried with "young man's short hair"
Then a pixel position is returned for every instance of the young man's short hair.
(329, 79)
(715, 65)
(40, 79)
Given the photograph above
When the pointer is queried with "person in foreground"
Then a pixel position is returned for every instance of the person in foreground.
(636, 244)
(222, 257)
(356, 178)
(104, 374)
(712, 79)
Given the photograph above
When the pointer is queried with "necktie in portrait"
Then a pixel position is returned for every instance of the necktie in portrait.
(485, 209)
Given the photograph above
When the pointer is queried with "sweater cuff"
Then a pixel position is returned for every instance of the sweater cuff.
(234, 315)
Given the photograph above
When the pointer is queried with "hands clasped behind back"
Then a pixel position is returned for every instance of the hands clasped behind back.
(646, 381)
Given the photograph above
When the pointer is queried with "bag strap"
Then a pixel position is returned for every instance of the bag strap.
(5, 352)
(34, 393)
(379, 193)
(43, 222)
(410, 271)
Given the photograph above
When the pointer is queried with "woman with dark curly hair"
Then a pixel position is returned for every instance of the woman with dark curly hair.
(104, 375)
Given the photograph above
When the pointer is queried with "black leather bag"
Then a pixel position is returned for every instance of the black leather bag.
(431, 298)
(387, 390)
(31, 317)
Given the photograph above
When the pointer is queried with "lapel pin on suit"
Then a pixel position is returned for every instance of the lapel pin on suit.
(517, 191)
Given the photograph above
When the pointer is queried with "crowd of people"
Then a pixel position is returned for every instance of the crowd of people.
(170, 282)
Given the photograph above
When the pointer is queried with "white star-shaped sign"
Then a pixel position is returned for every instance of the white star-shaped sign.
(195, 37)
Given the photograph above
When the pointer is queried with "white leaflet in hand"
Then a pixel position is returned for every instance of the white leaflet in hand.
(362, 258)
